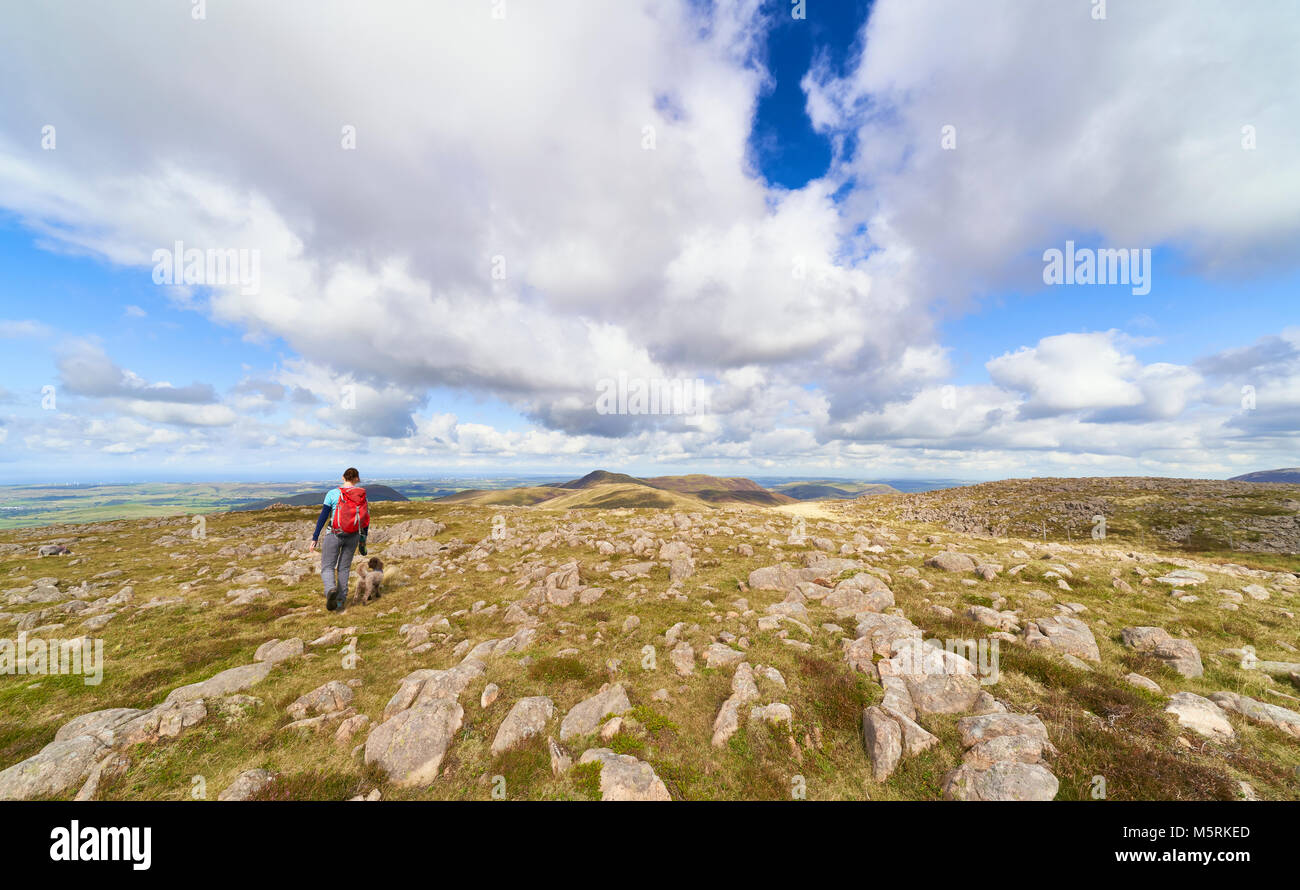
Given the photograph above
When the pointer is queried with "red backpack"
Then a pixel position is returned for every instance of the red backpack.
(352, 513)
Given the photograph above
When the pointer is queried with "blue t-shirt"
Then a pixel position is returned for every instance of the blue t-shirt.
(332, 501)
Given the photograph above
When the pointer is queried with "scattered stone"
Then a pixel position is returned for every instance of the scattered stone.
(247, 784)
(1260, 712)
(1143, 683)
(410, 746)
(623, 777)
(1181, 655)
(586, 716)
(526, 719)
(1200, 715)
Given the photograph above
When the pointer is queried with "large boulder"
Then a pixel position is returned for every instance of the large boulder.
(849, 600)
(224, 683)
(428, 685)
(1200, 715)
(1004, 780)
(937, 681)
(1064, 634)
(1181, 655)
(623, 777)
(329, 698)
(1260, 712)
(410, 746)
(883, 738)
(781, 577)
(585, 716)
(949, 561)
(526, 719)
(58, 766)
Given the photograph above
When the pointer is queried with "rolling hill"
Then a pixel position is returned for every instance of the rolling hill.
(374, 494)
(1289, 475)
(821, 490)
(603, 489)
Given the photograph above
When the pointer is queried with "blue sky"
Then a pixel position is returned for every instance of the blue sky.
(857, 298)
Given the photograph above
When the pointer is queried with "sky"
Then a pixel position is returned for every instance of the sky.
(431, 237)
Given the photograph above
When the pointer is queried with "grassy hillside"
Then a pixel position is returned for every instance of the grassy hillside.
(448, 591)
(604, 489)
(810, 491)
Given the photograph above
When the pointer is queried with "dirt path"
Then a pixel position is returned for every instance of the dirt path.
(810, 510)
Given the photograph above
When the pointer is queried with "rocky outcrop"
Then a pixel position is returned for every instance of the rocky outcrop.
(1181, 655)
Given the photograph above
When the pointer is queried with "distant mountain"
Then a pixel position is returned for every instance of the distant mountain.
(601, 488)
(597, 477)
(1288, 474)
(374, 494)
(816, 491)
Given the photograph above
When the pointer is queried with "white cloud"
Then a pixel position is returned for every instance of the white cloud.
(517, 146)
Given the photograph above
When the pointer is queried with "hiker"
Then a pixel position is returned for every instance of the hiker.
(349, 522)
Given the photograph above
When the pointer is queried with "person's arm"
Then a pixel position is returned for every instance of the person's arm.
(320, 522)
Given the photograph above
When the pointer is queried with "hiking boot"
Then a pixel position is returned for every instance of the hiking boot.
(332, 601)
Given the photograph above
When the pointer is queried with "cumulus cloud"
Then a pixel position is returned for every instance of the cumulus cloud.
(1128, 130)
(538, 203)
(86, 370)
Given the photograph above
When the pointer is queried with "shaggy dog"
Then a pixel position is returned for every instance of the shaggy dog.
(369, 579)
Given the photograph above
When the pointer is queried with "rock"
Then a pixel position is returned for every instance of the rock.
(885, 634)
(1200, 715)
(774, 713)
(623, 777)
(247, 784)
(329, 698)
(1260, 712)
(276, 651)
(938, 681)
(527, 718)
(585, 716)
(490, 693)
(721, 655)
(57, 767)
(1142, 683)
(847, 601)
(1278, 668)
(560, 759)
(224, 683)
(682, 657)
(1181, 655)
(1254, 591)
(915, 738)
(112, 765)
(426, 686)
(350, 728)
(949, 561)
(1183, 578)
(743, 689)
(1004, 780)
(1069, 635)
(410, 746)
(780, 577)
(883, 738)
(985, 727)
(993, 618)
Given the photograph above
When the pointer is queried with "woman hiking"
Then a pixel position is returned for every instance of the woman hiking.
(348, 515)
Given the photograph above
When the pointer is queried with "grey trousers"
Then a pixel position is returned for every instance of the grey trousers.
(336, 552)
